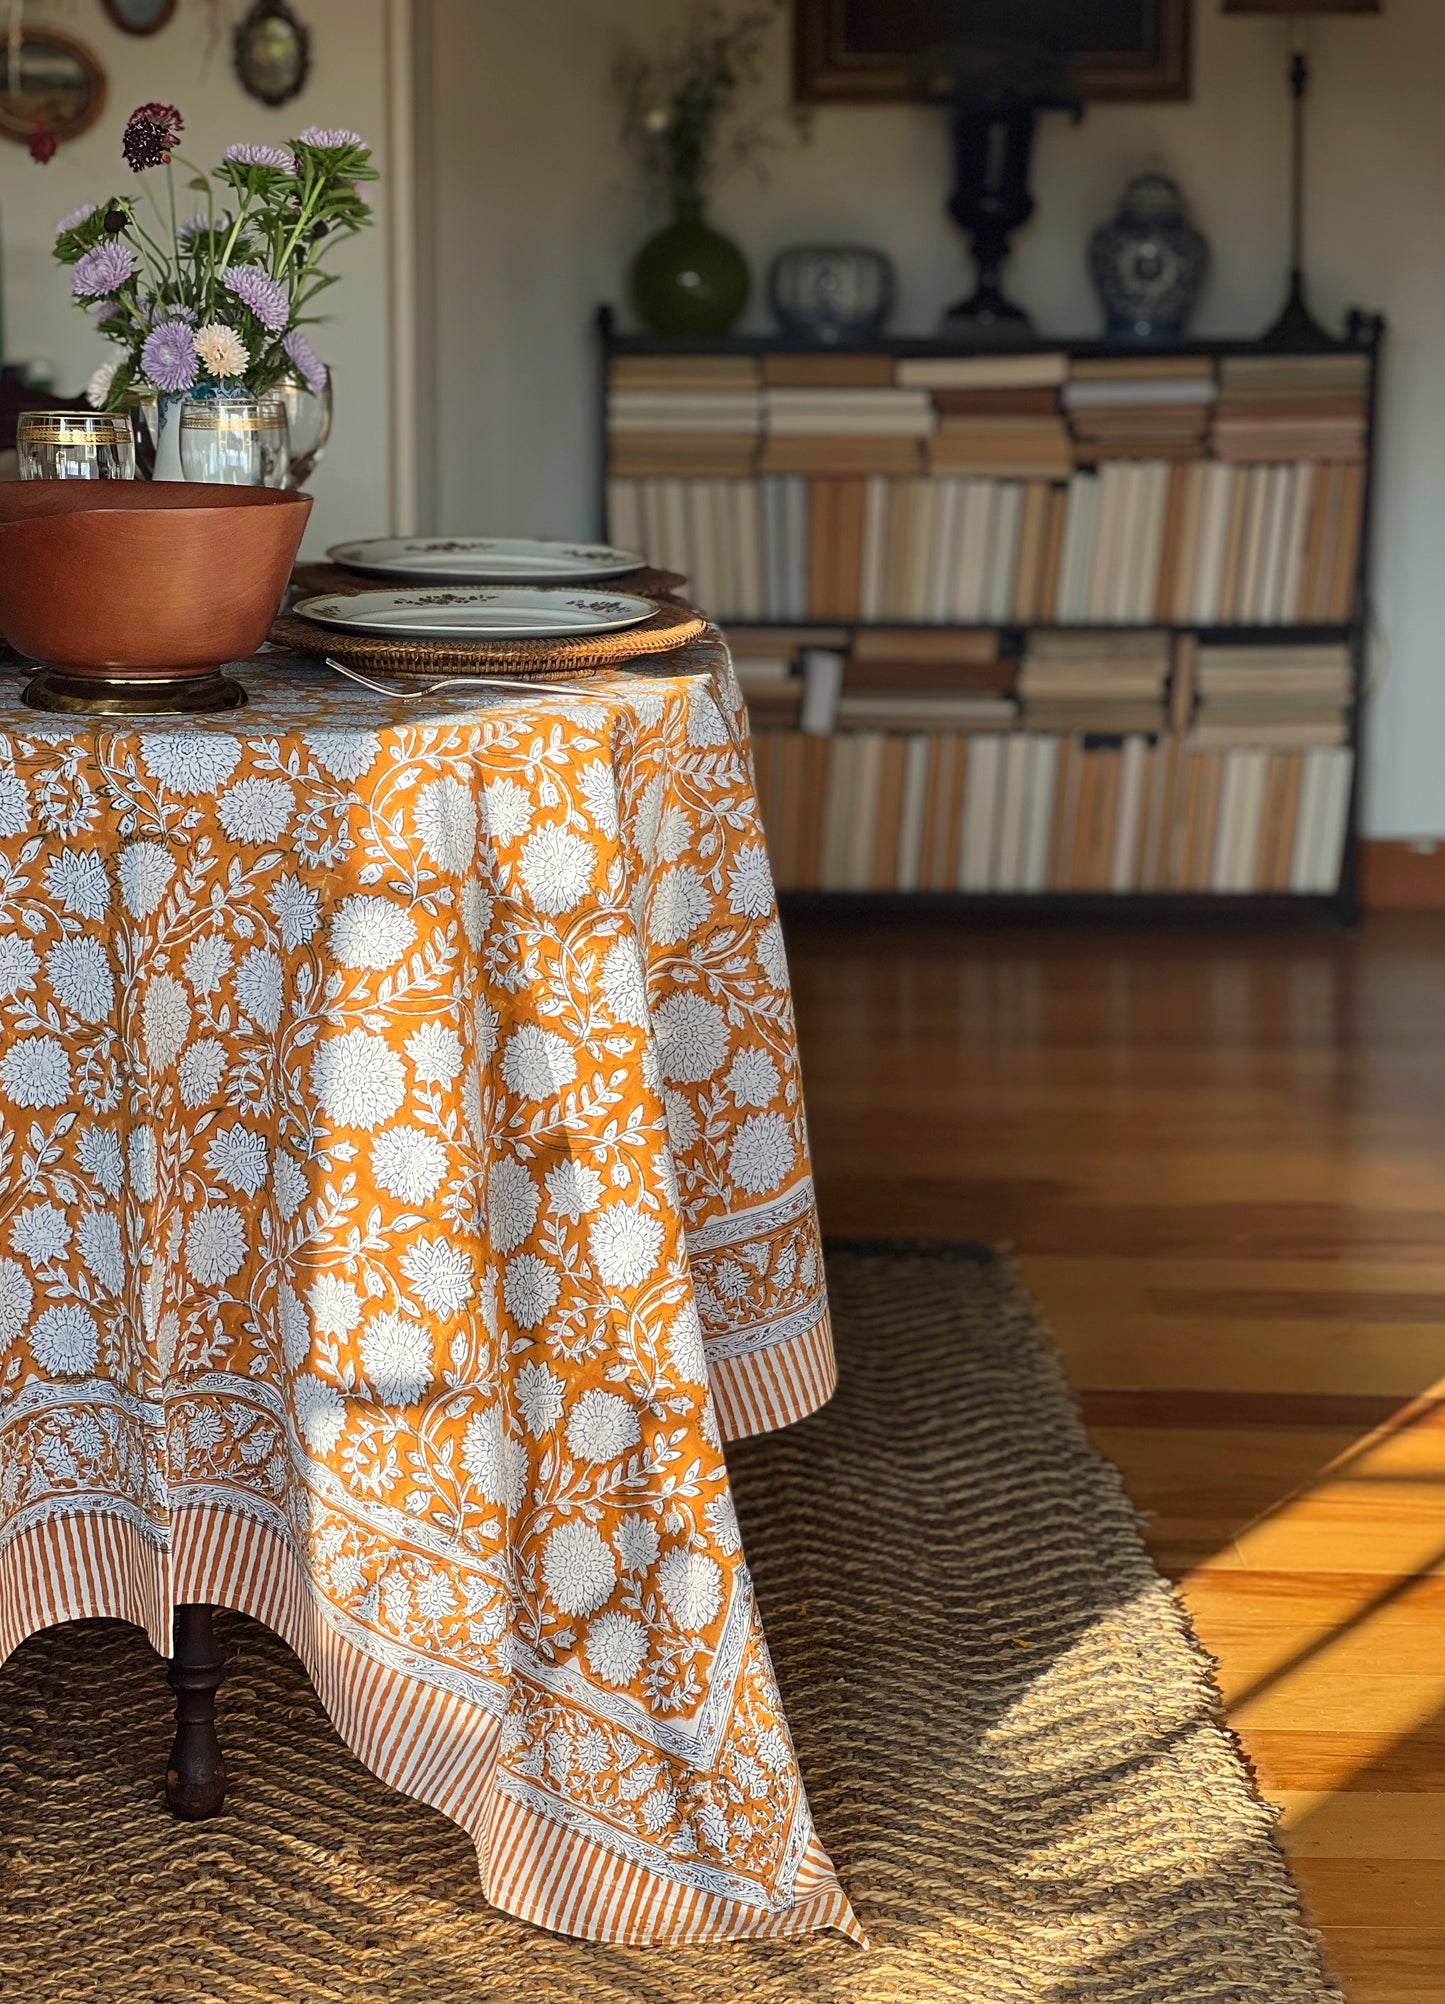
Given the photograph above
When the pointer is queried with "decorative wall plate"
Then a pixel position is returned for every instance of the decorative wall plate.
(272, 53)
(139, 17)
(54, 85)
(484, 559)
(506, 613)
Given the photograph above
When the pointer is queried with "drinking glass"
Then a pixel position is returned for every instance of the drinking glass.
(75, 445)
(309, 416)
(142, 407)
(221, 441)
(275, 442)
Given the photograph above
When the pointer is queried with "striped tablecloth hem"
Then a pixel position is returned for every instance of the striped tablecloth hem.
(559, 1880)
(773, 1387)
(82, 1566)
(424, 1742)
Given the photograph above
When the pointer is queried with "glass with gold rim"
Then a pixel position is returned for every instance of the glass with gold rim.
(75, 445)
(221, 441)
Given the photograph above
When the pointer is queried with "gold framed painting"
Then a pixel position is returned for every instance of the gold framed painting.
(868, 51)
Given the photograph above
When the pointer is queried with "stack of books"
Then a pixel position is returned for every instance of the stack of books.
(1287, 697)
(914, 679)
(1149, 407)
(1292, 407)
(844, 431)
(683, 415)
(996, 414)
(1109, 683)
(766, 662)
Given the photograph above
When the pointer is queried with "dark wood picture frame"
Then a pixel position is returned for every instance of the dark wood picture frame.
(271, 51)
(833, 63)
(123, 15)
(65, 106)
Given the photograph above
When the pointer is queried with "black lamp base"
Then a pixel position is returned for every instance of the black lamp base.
(1296, 326)
(987, 318)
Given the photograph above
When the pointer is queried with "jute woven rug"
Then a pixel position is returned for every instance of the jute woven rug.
(1009, 1736)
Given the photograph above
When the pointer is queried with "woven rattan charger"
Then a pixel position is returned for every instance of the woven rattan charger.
(673, 625)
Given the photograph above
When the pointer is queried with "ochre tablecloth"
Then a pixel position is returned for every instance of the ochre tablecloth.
(404, 1194)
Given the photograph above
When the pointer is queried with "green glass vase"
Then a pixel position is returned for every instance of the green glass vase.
(689, 282)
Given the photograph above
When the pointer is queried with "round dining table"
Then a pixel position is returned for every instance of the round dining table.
(404, 1199)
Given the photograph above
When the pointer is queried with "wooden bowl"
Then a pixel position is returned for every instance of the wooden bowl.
(134, 594)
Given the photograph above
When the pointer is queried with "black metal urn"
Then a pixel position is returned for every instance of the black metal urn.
(995, 96)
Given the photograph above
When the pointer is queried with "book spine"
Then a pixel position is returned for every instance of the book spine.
(892, 766)
(1182, 683)
(911, 813)
(942, 549)
(1028, 589)
(1003, 568)
(875, 545)
(1293, 561)
(1042, 786)
(1053, 553)
(978, 828)
(839, 807)
(1065, 816)
(821, 537)
(976, 529)
(1347, 553)
(1243, 550)
(816, 753)
(1124, 862)
(1324, 515)
(917, 578)
(850, 503)
(1013, 808)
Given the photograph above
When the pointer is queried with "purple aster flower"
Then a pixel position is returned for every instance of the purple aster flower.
(151, 133)
(76, 217)
(169, 356)
(247, 155)
(263, 296)
(102, 270)
(306, 359)
(328, 137)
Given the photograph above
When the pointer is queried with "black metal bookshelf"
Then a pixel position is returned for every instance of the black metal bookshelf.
(1363, 336)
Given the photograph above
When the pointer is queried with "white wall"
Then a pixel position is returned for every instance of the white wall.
(347, 87)
(535, 214)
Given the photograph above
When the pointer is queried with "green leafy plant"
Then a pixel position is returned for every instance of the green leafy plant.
(678, 104)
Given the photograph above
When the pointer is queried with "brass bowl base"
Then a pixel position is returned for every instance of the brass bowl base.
(132, 696)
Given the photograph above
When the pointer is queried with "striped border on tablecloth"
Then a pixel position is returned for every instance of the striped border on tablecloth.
(418, 1739)
(771, 1387)
(85, 1565)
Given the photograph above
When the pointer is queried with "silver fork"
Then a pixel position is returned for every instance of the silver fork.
(533, 688)
(414, 695)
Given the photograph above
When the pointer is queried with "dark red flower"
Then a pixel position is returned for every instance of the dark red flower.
(151, 131)
(43, 145)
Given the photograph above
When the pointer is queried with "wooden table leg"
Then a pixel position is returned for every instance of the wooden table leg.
(196, 1777)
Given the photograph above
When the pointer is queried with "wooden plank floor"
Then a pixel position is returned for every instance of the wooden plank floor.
(1220, 1154)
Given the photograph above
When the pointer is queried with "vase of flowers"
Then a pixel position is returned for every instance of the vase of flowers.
(689, 280)
(213, 306)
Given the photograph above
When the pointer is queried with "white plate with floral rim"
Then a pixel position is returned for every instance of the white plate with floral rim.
(507, 612)
(484, 559)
